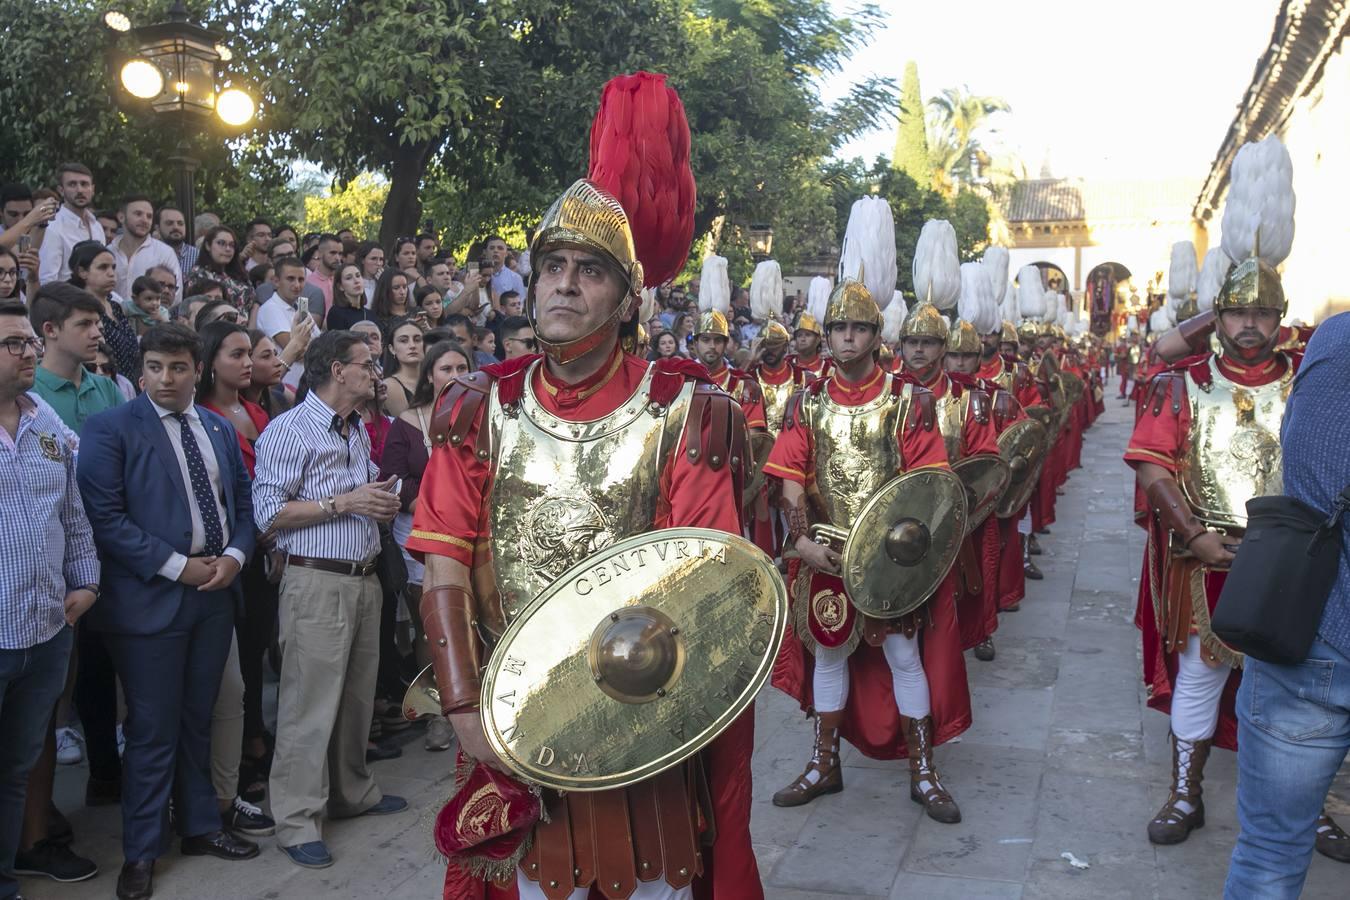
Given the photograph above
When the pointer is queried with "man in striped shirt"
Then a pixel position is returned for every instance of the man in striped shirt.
(314, 488)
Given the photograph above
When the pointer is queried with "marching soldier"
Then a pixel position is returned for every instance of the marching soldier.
(710, 348)
(868, 679)
(1207, 440)
(778, 376)
(539, 463)
(806, 340)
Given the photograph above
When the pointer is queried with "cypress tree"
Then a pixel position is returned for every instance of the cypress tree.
(911, 138)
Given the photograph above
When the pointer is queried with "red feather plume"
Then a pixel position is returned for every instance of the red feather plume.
(640, 154)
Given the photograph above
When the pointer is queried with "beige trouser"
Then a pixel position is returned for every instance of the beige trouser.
(227, 728)
(330, 636)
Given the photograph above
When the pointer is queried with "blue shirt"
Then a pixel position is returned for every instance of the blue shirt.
(1315, 437)
(48, 548)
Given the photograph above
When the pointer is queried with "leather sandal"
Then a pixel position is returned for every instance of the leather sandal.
(824, 761)
(1172, 824)
(1332, 841)
(984, 650)
(934, 798)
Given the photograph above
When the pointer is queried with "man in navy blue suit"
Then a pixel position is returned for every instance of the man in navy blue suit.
(169, 499)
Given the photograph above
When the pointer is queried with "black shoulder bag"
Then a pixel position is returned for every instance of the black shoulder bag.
(1272, 601)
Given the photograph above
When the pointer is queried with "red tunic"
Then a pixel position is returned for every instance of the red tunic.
(818, 366)
(1161, 439)
(744, 390)
(451, 520)
(871, 720)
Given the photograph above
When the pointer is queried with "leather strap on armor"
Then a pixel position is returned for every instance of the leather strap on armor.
(924, 413)
(719, 409)
(795, 514)
(449, 617)
(452, 425)
(1158, 390)
(792, 411)
(1005, 409)
(979, 406)
(1197, 329)
(1166, 498)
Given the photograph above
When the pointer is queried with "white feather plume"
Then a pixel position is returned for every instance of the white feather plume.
(1009, 309)
(1158, 321)
(893, 317)
(937, 268)
(1212, 275)
(650, 308)
(1171, 306)
(869, 244)
(977, 304)
(714, 288)
(1031, 299)
(1260, 199)
(766, 291)
(1181, 273)
(995, 262)
(817, 298)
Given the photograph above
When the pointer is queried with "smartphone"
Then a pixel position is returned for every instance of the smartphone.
(472, 267)
(303, 305)
(25, 243)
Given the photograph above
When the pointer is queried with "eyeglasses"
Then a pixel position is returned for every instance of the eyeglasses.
(9, 273)
(368, 365)
(18, 346)
(101, 369)
(167, 287)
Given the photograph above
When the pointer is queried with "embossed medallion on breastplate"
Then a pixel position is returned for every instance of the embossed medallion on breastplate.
(561, 531)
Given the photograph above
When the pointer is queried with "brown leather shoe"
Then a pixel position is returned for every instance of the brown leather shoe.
(984, 650)
(1033, 546)
(934, 798)
(136, 881)
(825, 762)
(1172, 824)
(1332, 841)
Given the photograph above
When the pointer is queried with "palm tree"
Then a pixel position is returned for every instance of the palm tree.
(956, 117)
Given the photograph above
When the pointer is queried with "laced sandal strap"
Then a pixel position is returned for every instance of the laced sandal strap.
(1171, 813)
(1328, 829)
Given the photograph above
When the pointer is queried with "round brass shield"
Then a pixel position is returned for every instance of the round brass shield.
(634, 659)
(1074, 387)
(984, 478)
(761, 442)
(1022, 446)
(1043, 414)
(903, 542)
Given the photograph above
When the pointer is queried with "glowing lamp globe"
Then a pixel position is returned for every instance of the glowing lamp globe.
(235, 107)
(142, 79)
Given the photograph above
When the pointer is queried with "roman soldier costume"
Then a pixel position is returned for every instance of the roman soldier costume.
(894, 687)
(818, 364)
(1206, 441)
(532, 474)
(777, 383)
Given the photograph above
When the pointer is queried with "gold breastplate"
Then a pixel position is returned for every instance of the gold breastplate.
(856, 450)
(1233, 448)
(562, 490)
(951, 421)
(775, 401)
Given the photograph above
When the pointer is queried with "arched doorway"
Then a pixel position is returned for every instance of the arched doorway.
(1102, 284)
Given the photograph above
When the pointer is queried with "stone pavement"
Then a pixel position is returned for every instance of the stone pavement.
(1063, 757)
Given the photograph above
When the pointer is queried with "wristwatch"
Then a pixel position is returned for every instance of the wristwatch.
(91, 588)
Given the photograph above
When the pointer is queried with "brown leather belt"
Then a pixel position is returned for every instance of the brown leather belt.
(336, 566)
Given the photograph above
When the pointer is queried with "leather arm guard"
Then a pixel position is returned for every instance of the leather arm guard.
(1197, 329)
(795, 514)
(449, 619)
(1165, 496)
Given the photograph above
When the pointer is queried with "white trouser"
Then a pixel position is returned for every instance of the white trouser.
(829, 684)
(1024, 523)
(646, 890)
(1196, 693)
(227, 727)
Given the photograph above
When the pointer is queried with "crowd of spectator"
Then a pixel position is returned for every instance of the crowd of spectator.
(214, 448)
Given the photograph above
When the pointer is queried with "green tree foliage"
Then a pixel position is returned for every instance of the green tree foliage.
(357, 205)
(911, 137)
(958, 118)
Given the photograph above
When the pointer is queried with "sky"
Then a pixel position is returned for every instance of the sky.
(1132, 90)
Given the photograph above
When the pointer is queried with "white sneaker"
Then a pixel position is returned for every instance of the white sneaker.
(69, 747)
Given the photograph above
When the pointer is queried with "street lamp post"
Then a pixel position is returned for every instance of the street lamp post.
(176, 71)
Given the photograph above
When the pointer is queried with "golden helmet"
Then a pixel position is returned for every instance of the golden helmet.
(807, 322)
(587, 217)
(712, 322)
(1058, 333)
(1253, 283)
(963, 338)
(1028, 331)
(850, 301)
(924, 320)
(774, 335)
(1009, 333)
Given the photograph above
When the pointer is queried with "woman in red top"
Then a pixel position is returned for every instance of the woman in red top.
(227, 370)
(406, 452)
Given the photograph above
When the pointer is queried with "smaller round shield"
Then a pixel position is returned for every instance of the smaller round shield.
(1043, 414)
(904, 542)
(761, 443)
(985, 478)
(634, 659)
(1073, 388)
(1022, 446)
